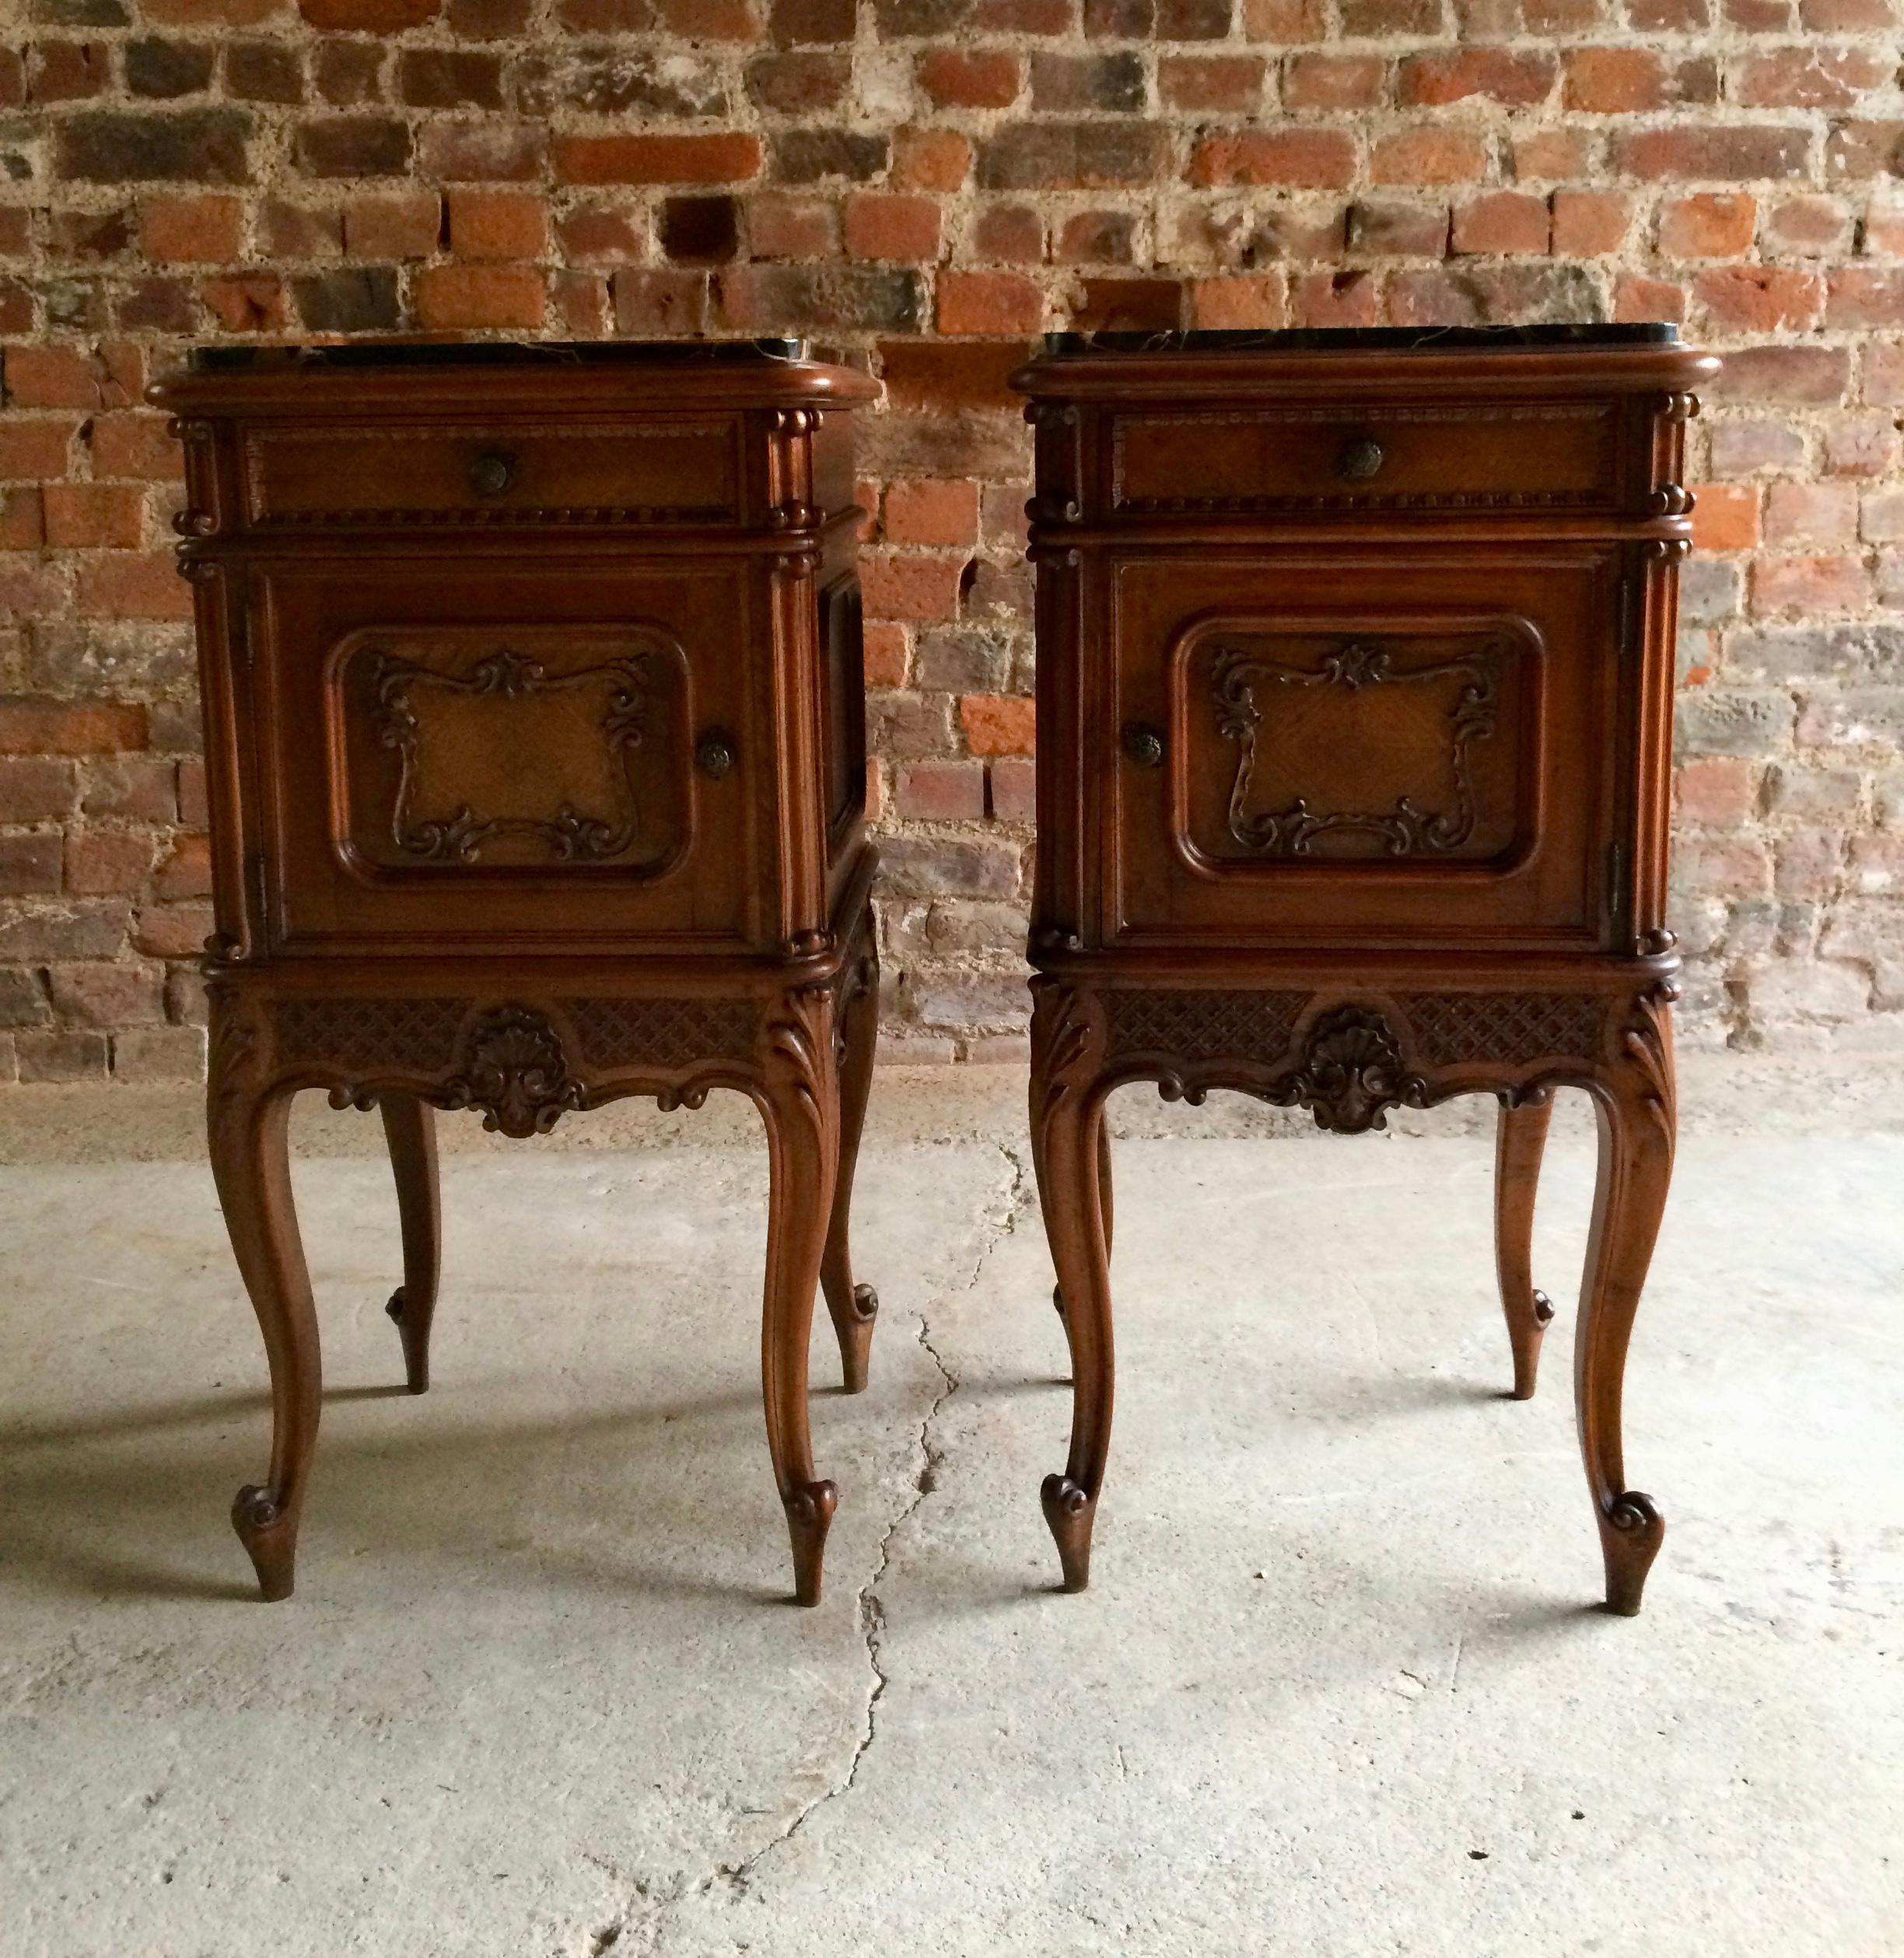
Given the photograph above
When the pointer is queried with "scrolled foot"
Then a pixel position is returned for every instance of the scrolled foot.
(855, 1338)
(270, 1537)
(1069, 1513)
(1631, 1532)
(415, 1348)
(810, 1515)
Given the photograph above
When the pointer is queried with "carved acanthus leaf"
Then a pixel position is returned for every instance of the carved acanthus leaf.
(1647, 1043)
(1064, 1032)
(798, 1033)
(238, 1043)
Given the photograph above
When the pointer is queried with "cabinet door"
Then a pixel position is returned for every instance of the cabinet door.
(457, 758)
(1409, 747)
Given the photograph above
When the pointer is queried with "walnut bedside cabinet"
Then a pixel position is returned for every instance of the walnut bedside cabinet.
(535, 732)
(1354, 720)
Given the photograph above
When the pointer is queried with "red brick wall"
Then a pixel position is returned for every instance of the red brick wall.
(934, 181)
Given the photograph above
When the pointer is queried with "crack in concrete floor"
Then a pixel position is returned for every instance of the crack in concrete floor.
(998, 1222)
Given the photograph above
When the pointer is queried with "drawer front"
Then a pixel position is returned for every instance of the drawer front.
(636, 472)
(1318, 458)
(532, 758)
(1401, 751)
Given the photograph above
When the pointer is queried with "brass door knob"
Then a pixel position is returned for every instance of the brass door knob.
(715, 754)
(1143, 744)
(491, 472)
(1359, 460)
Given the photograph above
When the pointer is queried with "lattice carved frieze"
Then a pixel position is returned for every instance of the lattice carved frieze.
(1439, 1029)
(1452, 1028)
(1254, 1026)
(365, 1034)
(662, 1033)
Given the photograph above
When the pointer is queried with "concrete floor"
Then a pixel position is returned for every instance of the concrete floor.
(1338, 1688)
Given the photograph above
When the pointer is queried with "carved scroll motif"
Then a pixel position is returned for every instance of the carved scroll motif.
(461, 834)
(1407, 828)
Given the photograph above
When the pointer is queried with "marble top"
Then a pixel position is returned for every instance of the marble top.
(1298, 340)
(494, 353)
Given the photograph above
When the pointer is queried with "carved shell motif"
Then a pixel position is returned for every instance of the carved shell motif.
(1352, 1073)
(516, 1075)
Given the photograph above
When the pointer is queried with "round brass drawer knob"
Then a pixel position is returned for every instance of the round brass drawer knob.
(1143, 745)
(1359, 460)
(491, 472)
(714, 753)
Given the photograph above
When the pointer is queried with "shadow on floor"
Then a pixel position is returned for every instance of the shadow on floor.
(131, 1504)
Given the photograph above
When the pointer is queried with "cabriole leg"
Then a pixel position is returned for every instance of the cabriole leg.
(1067, 1120)
(1637, 1119)
(1520, 1139)
(1103, 1193)
(409, 1127)
(853, 1307)
(249, 1131)
(800, 1101)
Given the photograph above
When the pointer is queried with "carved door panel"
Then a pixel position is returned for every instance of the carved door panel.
(1407, 746)
(505, 754)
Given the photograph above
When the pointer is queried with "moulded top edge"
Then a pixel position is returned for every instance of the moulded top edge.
(1255, 362)
(394, 372)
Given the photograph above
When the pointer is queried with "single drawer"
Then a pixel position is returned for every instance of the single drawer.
(648, 472)
(1327, 458)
